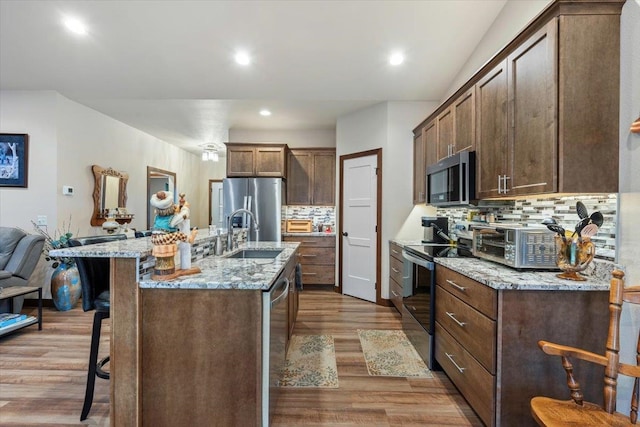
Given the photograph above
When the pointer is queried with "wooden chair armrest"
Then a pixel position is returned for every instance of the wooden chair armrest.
(629, 370)
(566, 351)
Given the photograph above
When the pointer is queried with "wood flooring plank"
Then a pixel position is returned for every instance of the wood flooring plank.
(43, 375)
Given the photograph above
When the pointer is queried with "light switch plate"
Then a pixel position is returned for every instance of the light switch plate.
(42, 220)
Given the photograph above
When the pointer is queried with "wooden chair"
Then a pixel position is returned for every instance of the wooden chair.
(553, 413)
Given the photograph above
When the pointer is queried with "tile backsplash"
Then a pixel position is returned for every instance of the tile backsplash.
(534, 210)
(318, 214)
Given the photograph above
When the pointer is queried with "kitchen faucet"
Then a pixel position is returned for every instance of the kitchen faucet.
(230, 226)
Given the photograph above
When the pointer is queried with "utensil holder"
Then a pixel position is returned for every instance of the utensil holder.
(574, 255)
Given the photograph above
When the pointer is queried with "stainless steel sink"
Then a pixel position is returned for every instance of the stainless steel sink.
(256, 253)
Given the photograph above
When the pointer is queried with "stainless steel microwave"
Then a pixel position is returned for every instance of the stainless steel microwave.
(452, 181)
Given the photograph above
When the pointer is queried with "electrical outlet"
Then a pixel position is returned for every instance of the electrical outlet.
(42, 220)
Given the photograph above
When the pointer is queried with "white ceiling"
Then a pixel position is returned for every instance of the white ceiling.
(166, 67)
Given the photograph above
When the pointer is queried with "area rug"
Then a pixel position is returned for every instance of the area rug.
(311, 362)
(390, 353)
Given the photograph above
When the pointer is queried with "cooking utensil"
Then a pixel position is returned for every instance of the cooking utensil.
(580, 225)
(557, 229)
(597, 218)
(589, 230)
(548, 221)
(582, 210)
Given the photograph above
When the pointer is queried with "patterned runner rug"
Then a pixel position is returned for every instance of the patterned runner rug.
(390, 353)
(311, 362)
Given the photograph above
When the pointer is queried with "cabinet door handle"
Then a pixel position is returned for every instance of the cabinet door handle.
(395, 270)
(450, 356)
(499, 186)
(308, 256)
(395, 294)
(506, 190)
(455, 285)
(311, 242)
(395, 252)
(453, 316)
(309, 274)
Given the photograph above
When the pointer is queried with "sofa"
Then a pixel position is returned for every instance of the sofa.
(19, 255)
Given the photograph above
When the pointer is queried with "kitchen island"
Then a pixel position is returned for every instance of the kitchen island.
(188, 351)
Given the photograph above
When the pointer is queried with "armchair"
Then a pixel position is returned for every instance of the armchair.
(19, 255)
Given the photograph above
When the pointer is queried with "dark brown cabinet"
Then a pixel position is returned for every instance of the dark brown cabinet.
(256, 160)
(464, 122)
(491, 131)
(486, 342)
(396, 268)
(419, 168)
(424, 153)
(444, 131)
(317, 257)
(546, 106)
(311, 177)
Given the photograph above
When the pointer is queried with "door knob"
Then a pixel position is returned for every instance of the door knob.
(345, 234)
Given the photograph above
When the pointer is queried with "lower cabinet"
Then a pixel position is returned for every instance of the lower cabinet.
(396, 265)
(486, 342)
(317, 257)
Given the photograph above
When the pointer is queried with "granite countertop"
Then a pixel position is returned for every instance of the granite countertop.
(128, 248)
(311, 234)
(220, 272)
(497, 276)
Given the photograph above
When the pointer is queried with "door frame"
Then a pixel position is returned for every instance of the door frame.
(211, 181)
(378, 153)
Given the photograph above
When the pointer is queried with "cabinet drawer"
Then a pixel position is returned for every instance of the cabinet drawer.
(479, 296)
(395, 251)
(395, 294)
(474, 382)
(318, 274)
(312, 241)
(472, 329)
(311, 255)
(395, 269)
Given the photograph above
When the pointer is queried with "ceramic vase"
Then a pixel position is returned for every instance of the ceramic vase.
(65, 286)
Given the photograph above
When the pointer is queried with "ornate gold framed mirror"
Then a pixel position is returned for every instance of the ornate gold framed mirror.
(109, 196)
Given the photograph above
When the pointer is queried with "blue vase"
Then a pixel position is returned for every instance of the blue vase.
(65, 286)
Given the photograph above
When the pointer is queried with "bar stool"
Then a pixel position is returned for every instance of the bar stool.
(94, 280)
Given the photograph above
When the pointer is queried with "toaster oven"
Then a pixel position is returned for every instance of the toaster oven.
(516, 246)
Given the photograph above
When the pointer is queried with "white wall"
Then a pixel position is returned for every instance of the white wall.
(629, 209)
(388, 126)
(32, 113)
(293, 138)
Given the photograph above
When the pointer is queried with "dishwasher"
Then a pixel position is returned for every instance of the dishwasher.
(275, 331)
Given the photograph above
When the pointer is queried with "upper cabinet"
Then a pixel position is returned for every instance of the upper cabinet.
(256, 160)
(544, 109)
(311, 177)
(425, 146)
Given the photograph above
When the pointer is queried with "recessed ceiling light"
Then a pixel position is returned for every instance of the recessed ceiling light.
(396, 58)
(75, 26)
(242, 58)
(265, 113)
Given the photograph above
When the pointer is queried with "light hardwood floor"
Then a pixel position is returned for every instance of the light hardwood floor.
(43, 375)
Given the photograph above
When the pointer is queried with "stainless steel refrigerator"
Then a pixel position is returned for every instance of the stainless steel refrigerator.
(262, 196)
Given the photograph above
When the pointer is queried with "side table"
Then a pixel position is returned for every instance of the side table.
(14, 291)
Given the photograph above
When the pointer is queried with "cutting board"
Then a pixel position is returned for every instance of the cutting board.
(299, 226)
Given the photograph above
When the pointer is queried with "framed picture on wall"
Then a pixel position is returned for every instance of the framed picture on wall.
(14, 159)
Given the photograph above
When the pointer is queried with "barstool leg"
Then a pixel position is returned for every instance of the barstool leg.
(93, 360)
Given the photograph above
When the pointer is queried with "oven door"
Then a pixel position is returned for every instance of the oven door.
(418, 309)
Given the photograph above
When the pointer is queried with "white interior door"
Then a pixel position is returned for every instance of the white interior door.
(359, 227)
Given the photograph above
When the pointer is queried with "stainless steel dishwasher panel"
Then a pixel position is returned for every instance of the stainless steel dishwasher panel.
(275, 309)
